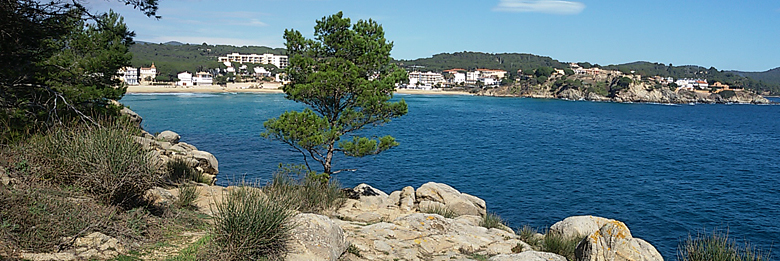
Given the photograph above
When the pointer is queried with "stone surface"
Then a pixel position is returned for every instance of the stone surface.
(206, 161)
(316, 237)
(168, 136)
(48, 256)
(407, 199)
(614, 242)
(460, 203)
(579, 225)
(134, 117)
(160, 196)
(528, 256)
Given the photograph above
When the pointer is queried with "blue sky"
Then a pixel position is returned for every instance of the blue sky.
(729, 35)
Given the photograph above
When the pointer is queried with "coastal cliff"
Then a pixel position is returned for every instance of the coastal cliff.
(606, 88)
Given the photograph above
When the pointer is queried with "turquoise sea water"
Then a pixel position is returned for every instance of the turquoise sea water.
(664, 170)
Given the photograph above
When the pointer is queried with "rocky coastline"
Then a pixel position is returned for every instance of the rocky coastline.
(635, 93)
(374, 225)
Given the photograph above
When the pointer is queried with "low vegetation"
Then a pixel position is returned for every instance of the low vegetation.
(550, 242)
(180, 170)
(439, 210)
(298, 189)
(717, 246)
(492, 220)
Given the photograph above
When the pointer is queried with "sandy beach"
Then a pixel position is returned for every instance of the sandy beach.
(253, 88)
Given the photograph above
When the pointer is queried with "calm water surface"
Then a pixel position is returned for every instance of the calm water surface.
(664, 170)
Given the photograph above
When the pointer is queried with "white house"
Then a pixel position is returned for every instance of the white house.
(185, 79)
(261, 72)
(425, 78)
(458, 76)
(147, 74)
(202, 79)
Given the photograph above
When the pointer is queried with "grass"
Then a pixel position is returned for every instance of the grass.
(528, 235)
(352, 249)
(302, 191)
(251, 226)
(191, 252)
(180, 171)
(439, 210)
(492, 220)
(104, 162)
(188, 194)
(717, 246)
(560, 244)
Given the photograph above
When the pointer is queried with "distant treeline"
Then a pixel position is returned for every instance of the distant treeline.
(172, 58)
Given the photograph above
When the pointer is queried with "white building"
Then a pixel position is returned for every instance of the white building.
(425, 79)
(281, 61)
(691, 84)
(147, 74)
(261, 72)
(185, 79)
(458, 77)
(492, 73)
(129, 75)
(203, 79)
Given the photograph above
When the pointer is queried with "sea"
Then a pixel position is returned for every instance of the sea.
(667, 171)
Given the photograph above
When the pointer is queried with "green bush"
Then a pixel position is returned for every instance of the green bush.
(180, 171)
(528, 235)
(104, 162)
(491, 220)
(560, 244)
(439, 210)
(250, 226)
(298, 189)
(717, 247)
(188, 194)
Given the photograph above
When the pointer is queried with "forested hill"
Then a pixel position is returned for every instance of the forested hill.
(771, 76)
(509, 62)
(172, 58)
(692, 71)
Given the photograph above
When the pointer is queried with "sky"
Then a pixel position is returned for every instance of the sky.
(727, 34)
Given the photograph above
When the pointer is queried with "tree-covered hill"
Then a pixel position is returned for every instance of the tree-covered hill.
(509, 62)
(172, 58)
(692, 71)
(770, 76)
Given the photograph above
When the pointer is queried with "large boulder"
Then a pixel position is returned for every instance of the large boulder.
(134, 117)
(460, 203)
(168, 136)
(614, 242)
(579, 225)
(207, 163)
(316, 237)
(406, 199)
(528, 256)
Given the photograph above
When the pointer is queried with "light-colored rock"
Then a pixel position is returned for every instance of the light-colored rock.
(316, 237)
(460, 203)
(160, 196)
(146, 143)
(528, 256)
(579, 225)
(206, 161)
(168, 136)
(407, 199)
(5, 179)
(369, 196)
(182, 148)
(614, 242)
(134, 117)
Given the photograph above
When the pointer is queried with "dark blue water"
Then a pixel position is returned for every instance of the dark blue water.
(664, 170)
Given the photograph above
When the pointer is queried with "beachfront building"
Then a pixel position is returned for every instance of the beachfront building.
(692, 84)
(129, 75)
(185, 79)
(458, 76)
(261, 72)
(425, 79)
(202, 79)
(280, 61)
(147, 74)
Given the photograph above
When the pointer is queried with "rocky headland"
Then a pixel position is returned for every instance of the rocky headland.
(607, 90)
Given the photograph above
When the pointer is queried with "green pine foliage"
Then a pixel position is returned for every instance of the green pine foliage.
(345, 77)
(509, 62)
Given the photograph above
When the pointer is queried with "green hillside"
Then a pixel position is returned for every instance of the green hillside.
(173, 57)
(770, 76)
(509, 62)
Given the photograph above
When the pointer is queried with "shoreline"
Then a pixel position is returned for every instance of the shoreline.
(251, 88)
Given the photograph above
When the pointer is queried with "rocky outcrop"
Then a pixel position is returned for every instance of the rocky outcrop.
(452, 199)
(579, 225)
(166, 146)
(614, 242)
(90, 247)
(315, 238)
(528, 256)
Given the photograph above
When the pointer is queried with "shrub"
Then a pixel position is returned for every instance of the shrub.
(492, 220)
(439, 210)
(528, 235)
(180, 171)
(251, 226)
(104, 162)
(717, 247)
(296, 188)
(560, 244)
(188, 194)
